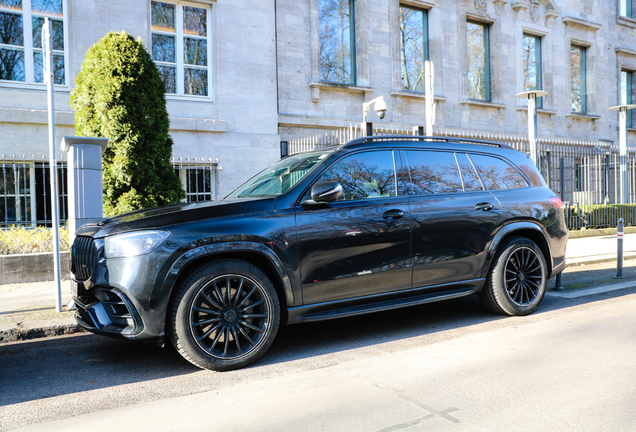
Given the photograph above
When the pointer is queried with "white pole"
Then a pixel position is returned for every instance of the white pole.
(429, 72)
(532, 127)
(48, 78)
(623, 154)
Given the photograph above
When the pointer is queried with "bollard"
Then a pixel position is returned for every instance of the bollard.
(558, 286)
(619, 257)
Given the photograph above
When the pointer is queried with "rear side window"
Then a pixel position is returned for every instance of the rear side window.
(364, 175)
(432, 172)
(497, 174)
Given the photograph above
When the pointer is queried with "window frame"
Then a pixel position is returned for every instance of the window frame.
(629, 96)
(583, 78)
(426, 47)
(538, 64)
(29, 50)
(487, 65)
(180, 65)
(627, 6)
(352, 54)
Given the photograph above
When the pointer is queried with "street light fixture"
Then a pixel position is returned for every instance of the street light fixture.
(623, 149)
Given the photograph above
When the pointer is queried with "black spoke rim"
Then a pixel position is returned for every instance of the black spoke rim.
(229, 316)
(524, 276)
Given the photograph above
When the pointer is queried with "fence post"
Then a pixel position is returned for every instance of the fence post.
(562, 178)
(284, 149)
(619, 256)
(549, 163)
(367, 128)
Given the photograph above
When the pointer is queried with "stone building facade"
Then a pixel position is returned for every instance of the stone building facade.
(603, 29)
(268, 74)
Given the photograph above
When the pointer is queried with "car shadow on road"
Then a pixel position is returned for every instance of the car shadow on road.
(46, 368)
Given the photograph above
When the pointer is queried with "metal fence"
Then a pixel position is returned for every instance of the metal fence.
(25, 188)
(585, 174)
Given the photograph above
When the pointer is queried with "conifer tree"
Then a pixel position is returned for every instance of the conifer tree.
(119, 95)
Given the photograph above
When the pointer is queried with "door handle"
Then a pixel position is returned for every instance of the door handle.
(485, 206)
(393, 214)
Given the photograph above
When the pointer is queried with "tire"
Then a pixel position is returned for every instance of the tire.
(517, 279)
(222, 329)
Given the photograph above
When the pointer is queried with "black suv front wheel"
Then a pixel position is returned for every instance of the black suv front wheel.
(224, 315)
(517, 279)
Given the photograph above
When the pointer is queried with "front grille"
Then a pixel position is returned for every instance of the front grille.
(82, 257)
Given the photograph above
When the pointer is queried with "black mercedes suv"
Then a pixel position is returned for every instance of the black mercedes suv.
(375, 224)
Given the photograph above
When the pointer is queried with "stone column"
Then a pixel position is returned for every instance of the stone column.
(85, 191)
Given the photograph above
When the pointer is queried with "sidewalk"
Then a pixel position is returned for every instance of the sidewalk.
(27, 311)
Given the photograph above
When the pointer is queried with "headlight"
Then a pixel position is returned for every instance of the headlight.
(133, 243)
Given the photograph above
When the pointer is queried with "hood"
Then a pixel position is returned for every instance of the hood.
(163, 217)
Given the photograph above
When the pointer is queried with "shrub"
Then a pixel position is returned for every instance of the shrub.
(119, 95)
(20, 240)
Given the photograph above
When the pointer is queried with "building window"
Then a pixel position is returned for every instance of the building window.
(532, 79)
(577, 71)
(413, 47)
(627, 94)
(478, 61)
(21, 22)
(181, 47)
(628, 8)
(337, 41)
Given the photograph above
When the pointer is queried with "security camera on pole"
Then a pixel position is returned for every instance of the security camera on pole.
(532, 96)
(623, 150)
(380, 110)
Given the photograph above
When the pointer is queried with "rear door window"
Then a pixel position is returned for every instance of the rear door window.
(496, 173)
(469, 175)
(433, 172)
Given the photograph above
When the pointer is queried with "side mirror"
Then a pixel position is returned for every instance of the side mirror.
(326, 191)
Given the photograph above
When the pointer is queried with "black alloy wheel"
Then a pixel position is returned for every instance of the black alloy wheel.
(517, 278)
(229, 316)
(524, 275)
(225, 315)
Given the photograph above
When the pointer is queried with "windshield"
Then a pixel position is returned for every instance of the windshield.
(280, 177)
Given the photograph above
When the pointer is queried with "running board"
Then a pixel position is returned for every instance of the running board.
(386, 305)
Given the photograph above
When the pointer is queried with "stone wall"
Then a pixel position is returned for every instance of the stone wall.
(31, 267)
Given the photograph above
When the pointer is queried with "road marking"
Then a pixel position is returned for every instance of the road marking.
(591, 291)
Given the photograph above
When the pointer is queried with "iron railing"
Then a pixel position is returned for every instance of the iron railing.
(25, 188)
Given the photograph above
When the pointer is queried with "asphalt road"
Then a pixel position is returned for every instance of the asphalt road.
(443, 366)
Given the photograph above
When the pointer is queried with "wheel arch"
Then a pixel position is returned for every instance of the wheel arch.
(529, 230)
(256, 254)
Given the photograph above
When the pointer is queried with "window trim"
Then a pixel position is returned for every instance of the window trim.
(29, 50)
(583, 77)
(179, 51)
(352, 54)
(425, 32)
(487, 64)
(538, 63)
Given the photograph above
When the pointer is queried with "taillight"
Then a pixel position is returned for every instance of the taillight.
(557, 202)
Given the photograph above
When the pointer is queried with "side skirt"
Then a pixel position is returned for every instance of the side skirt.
(382, 302)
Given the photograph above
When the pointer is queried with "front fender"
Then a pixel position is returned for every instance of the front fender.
(214, 249)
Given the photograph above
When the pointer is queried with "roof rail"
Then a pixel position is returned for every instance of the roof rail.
(425, 138)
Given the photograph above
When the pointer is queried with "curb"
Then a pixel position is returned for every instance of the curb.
(20, 334)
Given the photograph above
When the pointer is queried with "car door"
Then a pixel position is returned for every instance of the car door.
(360, 244)
(452, 217)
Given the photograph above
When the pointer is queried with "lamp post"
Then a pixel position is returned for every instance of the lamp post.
(622, 109)
(380, 110)
(532, 96)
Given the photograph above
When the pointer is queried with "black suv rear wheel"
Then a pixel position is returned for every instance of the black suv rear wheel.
(517, 279)
(224, 316)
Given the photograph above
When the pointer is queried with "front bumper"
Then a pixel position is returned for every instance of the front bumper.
(107, 312)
